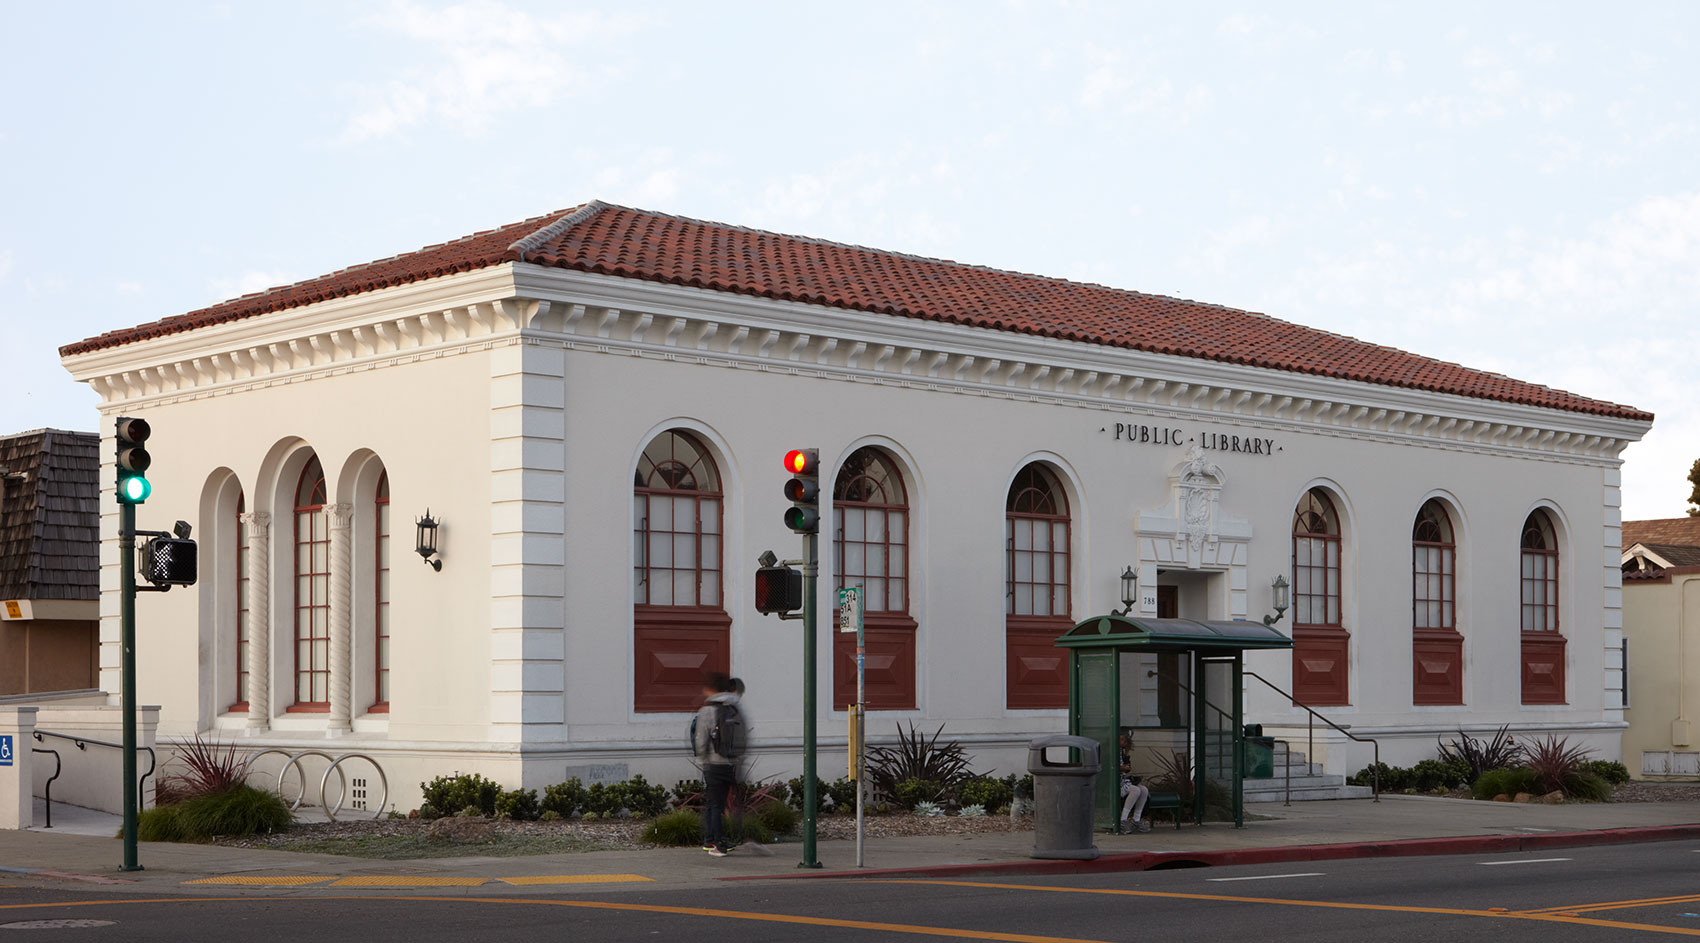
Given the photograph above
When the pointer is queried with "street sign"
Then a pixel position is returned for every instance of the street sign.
(6, 750)
(850, 609)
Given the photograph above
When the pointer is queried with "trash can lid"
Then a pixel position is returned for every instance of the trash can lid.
(1088, 747)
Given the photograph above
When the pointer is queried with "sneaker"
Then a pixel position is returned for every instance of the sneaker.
(708, 848)
(1121, 827)
(717, 852)
(1143, 825)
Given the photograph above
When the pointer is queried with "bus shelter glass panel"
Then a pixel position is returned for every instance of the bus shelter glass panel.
(1218, 732)
(1155, 717)
(1098, 696)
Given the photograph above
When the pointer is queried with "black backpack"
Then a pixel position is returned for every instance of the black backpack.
(726, 736)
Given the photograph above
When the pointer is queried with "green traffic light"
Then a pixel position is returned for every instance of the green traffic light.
(134, 489)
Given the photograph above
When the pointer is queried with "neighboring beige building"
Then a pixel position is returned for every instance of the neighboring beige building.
(1661, 642)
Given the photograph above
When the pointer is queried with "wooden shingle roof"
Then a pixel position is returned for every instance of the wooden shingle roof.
(50, 515)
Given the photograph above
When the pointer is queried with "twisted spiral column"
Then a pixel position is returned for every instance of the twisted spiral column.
(341, 517)
(259, 619)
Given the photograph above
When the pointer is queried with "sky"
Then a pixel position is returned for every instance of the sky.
(1510, 186)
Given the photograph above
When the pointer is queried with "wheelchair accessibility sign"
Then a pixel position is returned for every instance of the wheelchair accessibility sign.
(6, 750)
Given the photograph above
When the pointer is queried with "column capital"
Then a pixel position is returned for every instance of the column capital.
(341, 516)
(257, 520)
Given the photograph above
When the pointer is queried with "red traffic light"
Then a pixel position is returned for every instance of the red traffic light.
(802, 461)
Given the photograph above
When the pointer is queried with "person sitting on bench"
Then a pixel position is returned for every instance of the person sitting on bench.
(1134, 795)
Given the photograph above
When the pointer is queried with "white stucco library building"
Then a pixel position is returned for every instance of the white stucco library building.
(594, 405)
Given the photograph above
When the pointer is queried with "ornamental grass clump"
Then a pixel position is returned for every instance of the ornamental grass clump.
(237, 812)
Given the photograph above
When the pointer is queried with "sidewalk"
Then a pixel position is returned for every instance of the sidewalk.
(1349, 827)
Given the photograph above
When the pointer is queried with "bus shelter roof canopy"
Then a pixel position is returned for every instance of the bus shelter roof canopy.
(1171, 635)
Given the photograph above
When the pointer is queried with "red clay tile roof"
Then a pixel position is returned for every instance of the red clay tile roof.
(628, 243)
(1669, 531)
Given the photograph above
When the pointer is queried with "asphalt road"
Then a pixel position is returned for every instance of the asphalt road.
(1610, 893)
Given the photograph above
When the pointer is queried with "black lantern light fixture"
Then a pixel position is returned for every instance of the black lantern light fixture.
(1130, 590)
(1278, 589)
(427, 542)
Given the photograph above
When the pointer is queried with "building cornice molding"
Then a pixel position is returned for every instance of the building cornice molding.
(521, 303)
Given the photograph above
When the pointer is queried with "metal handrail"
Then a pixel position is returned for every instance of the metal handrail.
(1374, 771)
(82, 744)
(47, 787)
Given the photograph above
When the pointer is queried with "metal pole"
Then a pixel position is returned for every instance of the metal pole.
(811, 568)
(1238, 740)
(861, 718)
(1200, 738)
(127, 662)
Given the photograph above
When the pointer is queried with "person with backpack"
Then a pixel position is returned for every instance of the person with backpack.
(718, 735)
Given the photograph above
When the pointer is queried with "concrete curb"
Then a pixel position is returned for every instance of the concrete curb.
(1153, 860)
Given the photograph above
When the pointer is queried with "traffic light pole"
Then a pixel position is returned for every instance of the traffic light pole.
(811, 797)
(127, 668)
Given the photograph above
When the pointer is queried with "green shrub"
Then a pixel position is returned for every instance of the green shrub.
(780, 791)
(1611, 771)
(1022, 787)
(1434, 775)
(603, 799)
(236, 812)
(645, 800)
(550, 815)
(428, 811)
(450, 794)
(842, 792)
(988, 792)
(683, 828)
(795, 785)
(912, 792)
(687, 793)
(519, 804)
(778, 817)
(680, 827)
(1588, 787)
(1507, 782)
(563, 799)
(159, 823)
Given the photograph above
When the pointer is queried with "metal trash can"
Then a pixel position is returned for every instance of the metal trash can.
(1063, 798)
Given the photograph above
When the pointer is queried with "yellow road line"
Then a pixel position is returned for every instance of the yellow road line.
(574, 879)
(916, 929)
(406, 880)
(273, 880)
(1325, 904)
(1619, 904)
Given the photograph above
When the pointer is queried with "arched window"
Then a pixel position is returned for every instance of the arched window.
(678, 524)
(1036, 595)
(1543, 645)
(241, 582)
(381, 596)
(680, 626)
(1320, 640)
(312, 592)
(1437, 649)
(1433, 569)
(870, 515)
(1539, 574)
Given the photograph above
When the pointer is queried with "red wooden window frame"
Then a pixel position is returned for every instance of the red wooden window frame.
(312, 592)
(1437, 648)
(870, 517)
(1037, 571)
(1321, 644)
(1543, 645)
(682, 631)
(381, 596)
(241, 703)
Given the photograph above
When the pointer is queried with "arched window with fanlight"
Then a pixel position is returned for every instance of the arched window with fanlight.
(1543, 645)
(1321, 644)
(870, 519)
(1037, 575)
(681, 628)
(312, 592)
(1437, 647)
(241, 586)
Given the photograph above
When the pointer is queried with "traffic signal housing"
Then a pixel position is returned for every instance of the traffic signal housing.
(779, 589)
(803, 491)
(170, 561)
(133, 460)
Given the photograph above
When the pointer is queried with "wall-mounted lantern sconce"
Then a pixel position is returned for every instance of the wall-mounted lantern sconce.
(427, 543)
(1279, 591)
(1130, 590)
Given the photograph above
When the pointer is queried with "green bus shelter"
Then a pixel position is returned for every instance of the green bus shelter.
(1174, 689)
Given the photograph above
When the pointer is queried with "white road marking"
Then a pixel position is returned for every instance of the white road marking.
(1271, 877)
(1523, 861)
